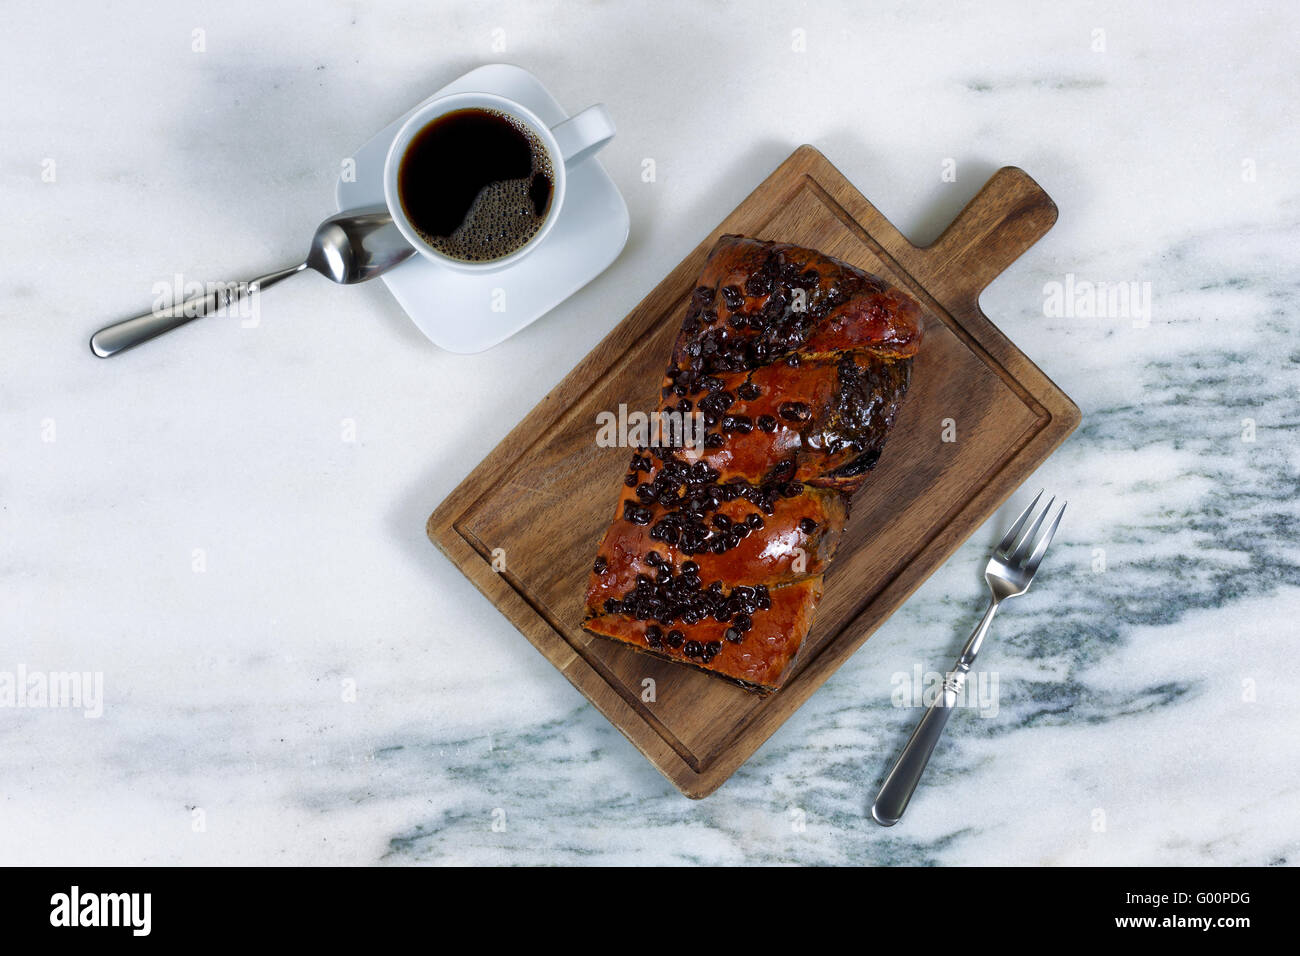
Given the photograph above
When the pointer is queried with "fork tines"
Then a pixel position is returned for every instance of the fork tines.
(1030, 546)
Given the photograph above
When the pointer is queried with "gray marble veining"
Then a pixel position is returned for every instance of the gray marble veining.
(228, 525)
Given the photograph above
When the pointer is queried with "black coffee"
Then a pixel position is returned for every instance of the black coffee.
(476, 184)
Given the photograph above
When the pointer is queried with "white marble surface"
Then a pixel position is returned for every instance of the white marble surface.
(1123, 692)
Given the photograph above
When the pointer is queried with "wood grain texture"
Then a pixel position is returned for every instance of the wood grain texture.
(924, 498)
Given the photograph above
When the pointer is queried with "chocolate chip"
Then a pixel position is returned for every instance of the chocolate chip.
(635, 513)
(600, 565)
(717, 402)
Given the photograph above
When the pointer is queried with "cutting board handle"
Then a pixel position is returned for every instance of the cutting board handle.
(1004, 219)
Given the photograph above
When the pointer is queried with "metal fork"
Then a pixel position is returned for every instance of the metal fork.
(1008, 574)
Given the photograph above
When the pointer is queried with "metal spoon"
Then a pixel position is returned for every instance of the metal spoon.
(351, 247)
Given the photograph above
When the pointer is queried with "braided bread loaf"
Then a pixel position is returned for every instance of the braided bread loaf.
(796, 365)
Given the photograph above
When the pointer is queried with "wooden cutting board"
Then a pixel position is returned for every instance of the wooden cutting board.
(525, 525)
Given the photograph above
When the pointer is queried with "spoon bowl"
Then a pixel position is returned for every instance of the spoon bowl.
(357, 245)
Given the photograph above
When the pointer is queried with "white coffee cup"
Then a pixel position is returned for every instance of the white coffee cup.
(567, 144)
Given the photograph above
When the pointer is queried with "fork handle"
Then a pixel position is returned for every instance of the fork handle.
(901, 783)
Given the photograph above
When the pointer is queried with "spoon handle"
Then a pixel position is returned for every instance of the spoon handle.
(129, 333)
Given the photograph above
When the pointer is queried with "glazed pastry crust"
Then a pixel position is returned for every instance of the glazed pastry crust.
(796, 365)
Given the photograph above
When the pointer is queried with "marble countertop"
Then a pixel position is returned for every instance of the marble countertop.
(226, 529)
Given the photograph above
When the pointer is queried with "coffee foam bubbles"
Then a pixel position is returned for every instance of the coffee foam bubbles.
(503, 216)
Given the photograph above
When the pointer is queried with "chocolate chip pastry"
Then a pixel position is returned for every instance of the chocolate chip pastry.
(797, 364)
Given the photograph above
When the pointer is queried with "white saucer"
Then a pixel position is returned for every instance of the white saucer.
(463, 312)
